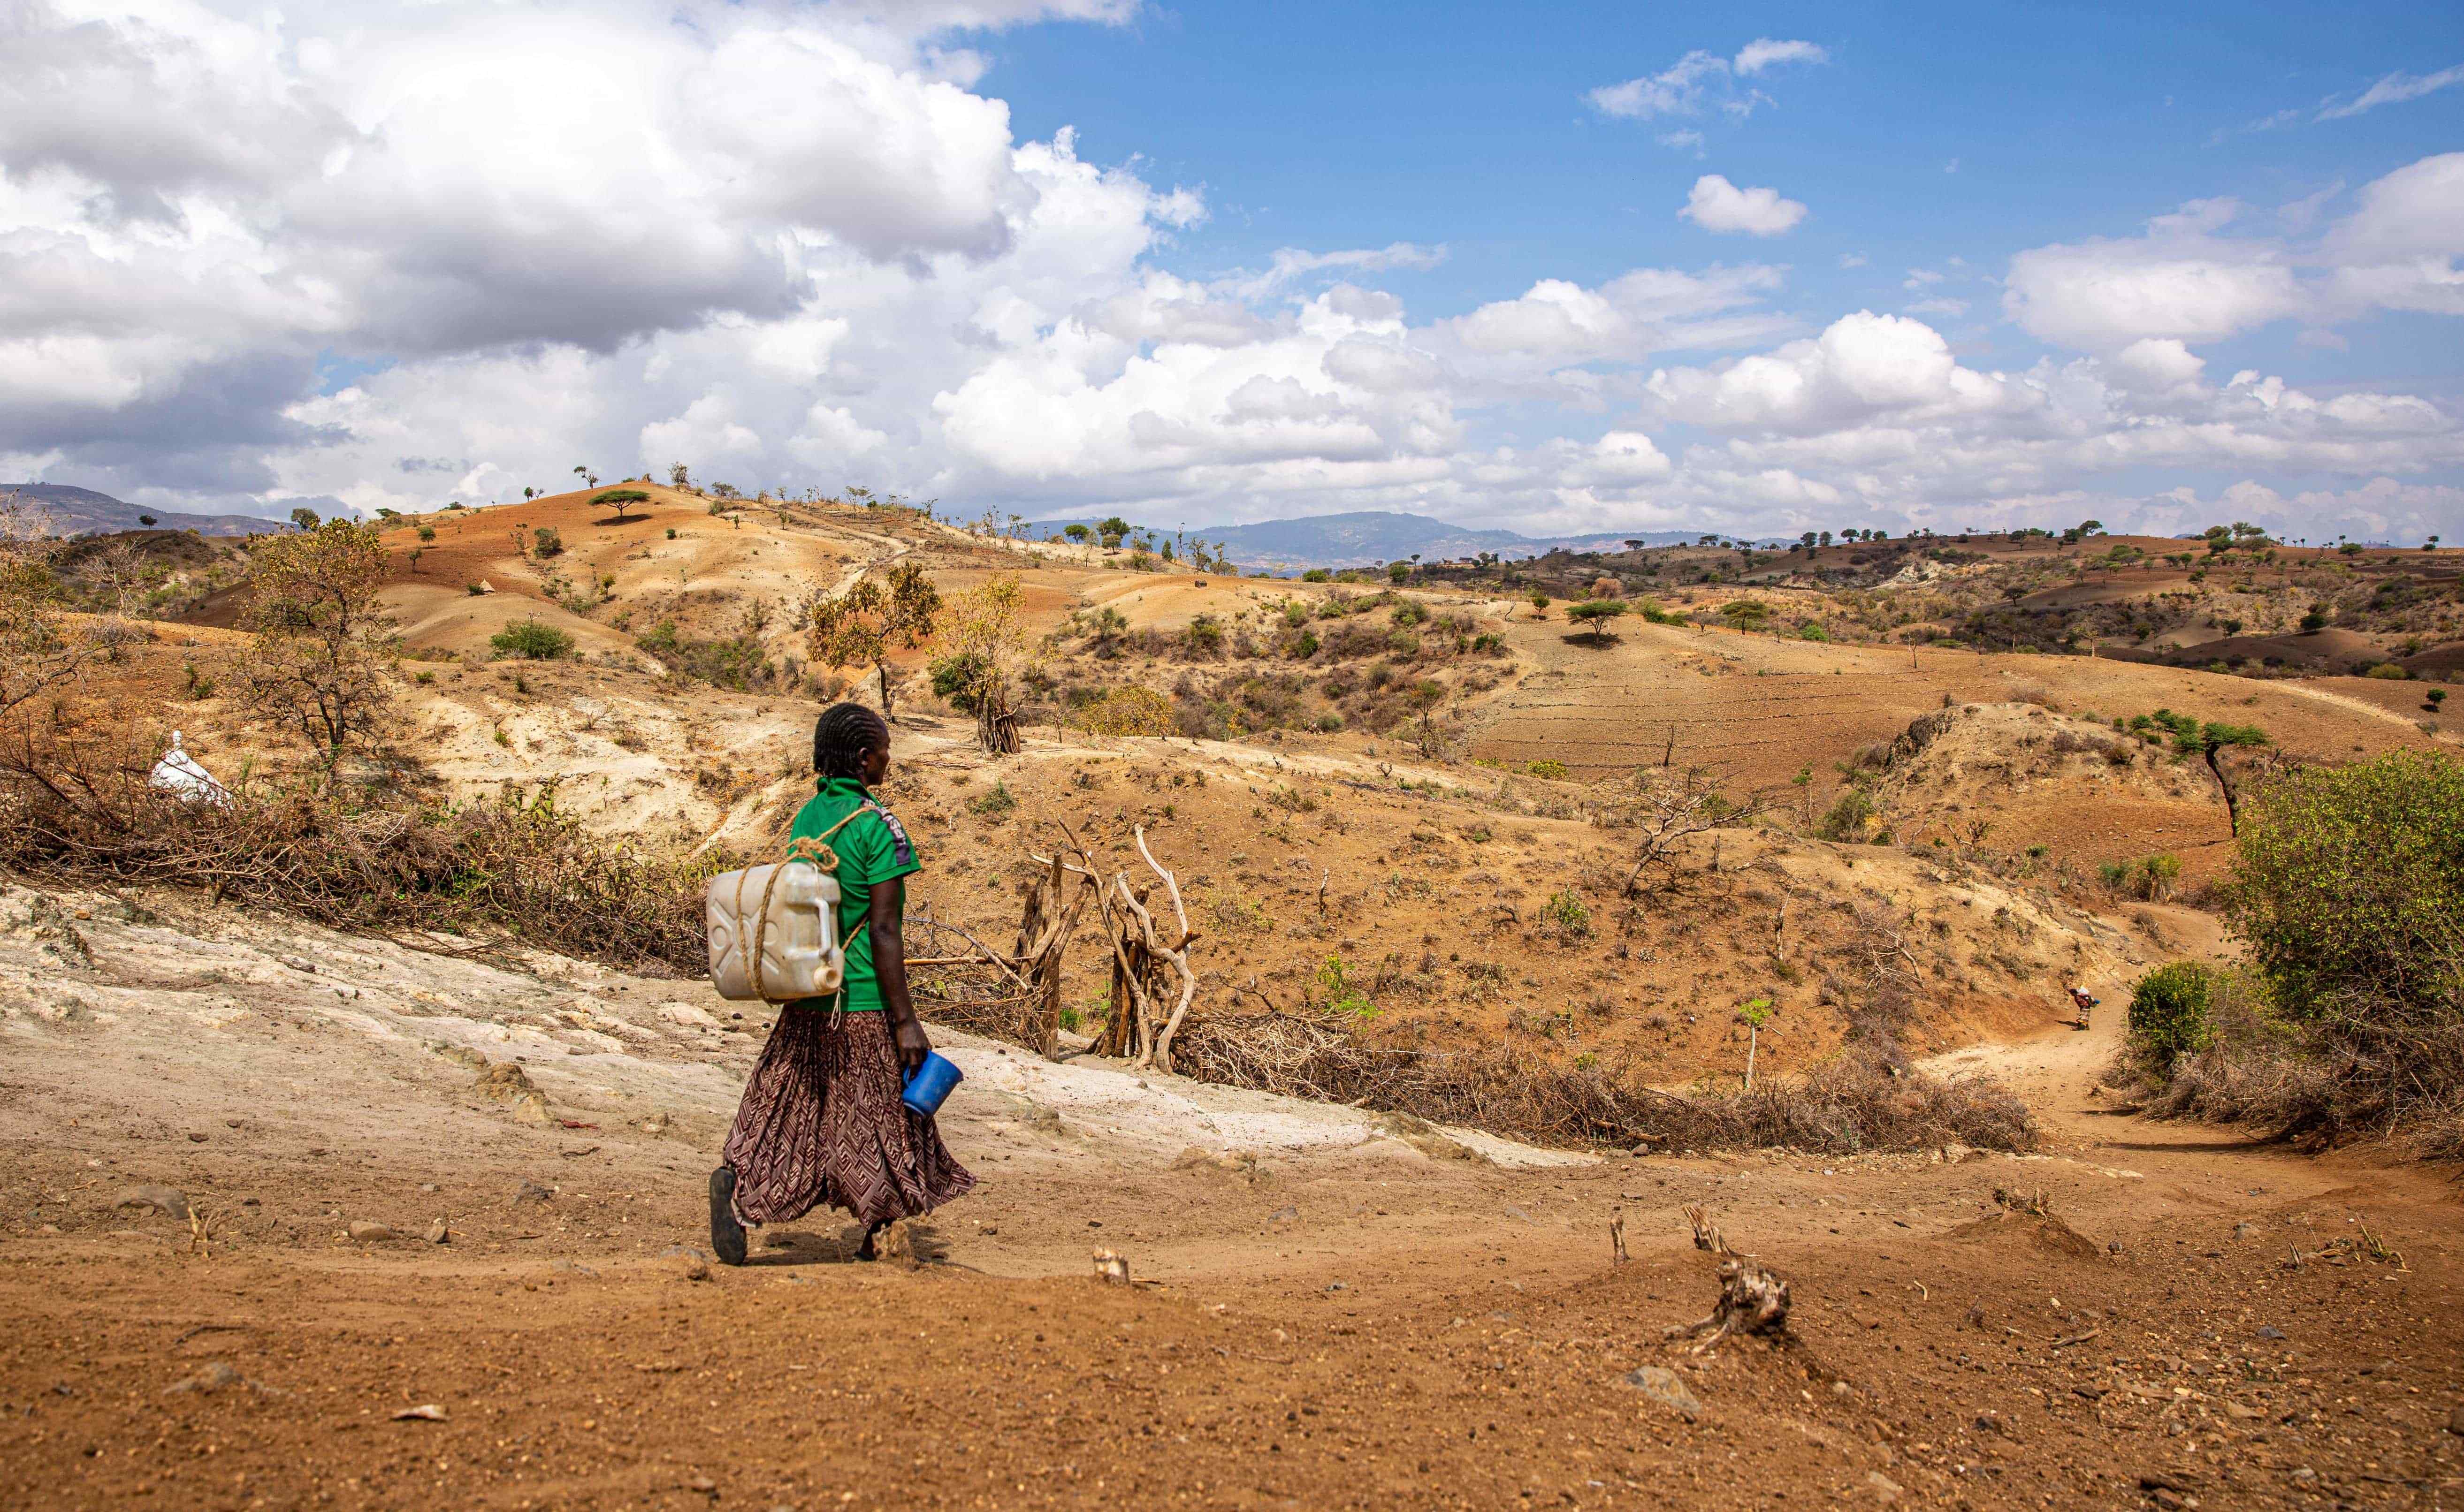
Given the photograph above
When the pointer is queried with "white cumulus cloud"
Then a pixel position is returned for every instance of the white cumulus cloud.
(1717, 205)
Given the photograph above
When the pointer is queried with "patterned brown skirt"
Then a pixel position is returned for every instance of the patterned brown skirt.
(822, 1126)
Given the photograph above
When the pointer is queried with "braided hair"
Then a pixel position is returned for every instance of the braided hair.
(842, 735)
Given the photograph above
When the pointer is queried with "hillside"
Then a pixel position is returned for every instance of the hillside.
(1367, 539)
(413, 1215)
(66, 511)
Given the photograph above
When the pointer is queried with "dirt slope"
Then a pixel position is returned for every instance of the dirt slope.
(1349, 1321)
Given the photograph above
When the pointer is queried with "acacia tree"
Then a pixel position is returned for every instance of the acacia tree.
(980, 632)
(881, 611)
(317, 663)
(617, 499)
(1594, 615)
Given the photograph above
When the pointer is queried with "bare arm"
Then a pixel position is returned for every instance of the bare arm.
(886, 916)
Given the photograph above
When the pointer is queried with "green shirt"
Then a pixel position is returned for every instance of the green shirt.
(872, 849)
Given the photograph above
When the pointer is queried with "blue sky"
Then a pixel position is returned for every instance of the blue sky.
(1564, 267)
(1466, 126)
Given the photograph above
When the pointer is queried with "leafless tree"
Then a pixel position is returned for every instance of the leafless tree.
(1669, 808)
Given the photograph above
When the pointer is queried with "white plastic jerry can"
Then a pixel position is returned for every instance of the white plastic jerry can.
(788, 914)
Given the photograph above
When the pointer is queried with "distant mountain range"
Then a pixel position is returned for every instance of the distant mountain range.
(66, 511)
(1370, 538)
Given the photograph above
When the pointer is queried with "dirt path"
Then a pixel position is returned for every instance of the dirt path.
(1328, 1312)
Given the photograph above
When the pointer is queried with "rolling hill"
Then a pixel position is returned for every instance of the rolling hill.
(1372, 537)
(68, 510)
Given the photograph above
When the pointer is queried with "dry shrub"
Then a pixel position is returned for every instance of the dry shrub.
(1857, 1101)
(514, 867)
(2312, 1082)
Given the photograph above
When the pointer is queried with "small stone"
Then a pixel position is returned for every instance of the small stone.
(1883, 1486)
(1992, 1423)
(1110, 1269)
(248, 1202)
(2455, 1421)
(1840, 1389)
(686, 1262)
(424, 1413)
(533, 1191)
(169, 1201)
(1284, 1216)
(437, 1233)
(215, 1376)
(365, 1233)
(2269, 1331)
(1660, 1384)
(2306, 1476)
(2244, 1231)
(196, 1138)
(1338, 1286)
(428, 1186)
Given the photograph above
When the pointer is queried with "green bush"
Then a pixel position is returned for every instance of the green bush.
(1553, 771)
(2350, 887)
(546, 542)
(1341, 991)
(1318, 574)
(2169, 1013)
(531, 641)
(957, 678)
(1848, 816)
(1813, 630)
(1567, 910)
(994, 802)
(2150, 879)
(1204, 635)
(1398, 572)
(2388, 670)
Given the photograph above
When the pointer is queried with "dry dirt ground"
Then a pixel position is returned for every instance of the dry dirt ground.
(1328, 1309)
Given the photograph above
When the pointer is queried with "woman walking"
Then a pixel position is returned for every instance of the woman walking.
(822, 1123)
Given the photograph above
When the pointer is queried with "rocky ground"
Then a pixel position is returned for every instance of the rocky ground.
(299, 1220)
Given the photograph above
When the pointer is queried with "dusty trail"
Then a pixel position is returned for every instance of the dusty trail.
(1363, 1315)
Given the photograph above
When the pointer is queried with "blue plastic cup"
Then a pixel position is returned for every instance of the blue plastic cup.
(930, 1085)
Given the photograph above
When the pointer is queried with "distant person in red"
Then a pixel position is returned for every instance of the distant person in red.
(2080, 1001)
(822, 1124)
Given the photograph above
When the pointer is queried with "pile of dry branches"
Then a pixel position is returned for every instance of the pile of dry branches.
(514, 867)
(1858, 1101)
